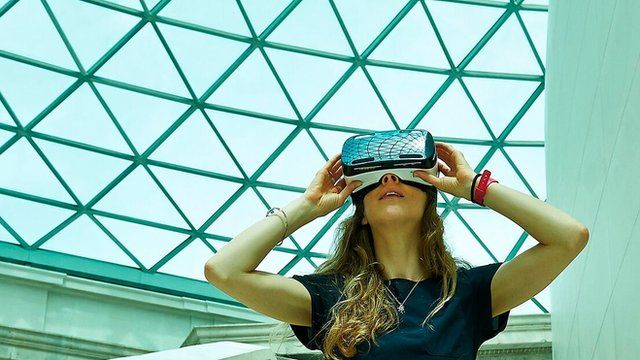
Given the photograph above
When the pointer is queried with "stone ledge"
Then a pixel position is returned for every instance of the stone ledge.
(47, 279)
(24, 342)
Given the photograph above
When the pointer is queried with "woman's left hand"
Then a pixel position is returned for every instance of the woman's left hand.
(459, 175)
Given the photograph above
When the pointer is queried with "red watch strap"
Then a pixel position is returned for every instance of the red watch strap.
(481, 189)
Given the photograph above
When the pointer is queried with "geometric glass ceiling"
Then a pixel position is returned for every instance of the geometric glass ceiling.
(138, 137)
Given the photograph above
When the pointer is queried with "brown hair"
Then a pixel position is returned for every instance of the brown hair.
(365, 310)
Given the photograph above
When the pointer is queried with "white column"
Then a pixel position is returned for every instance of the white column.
(593, 157)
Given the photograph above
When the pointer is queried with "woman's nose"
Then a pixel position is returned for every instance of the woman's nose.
(389, 177)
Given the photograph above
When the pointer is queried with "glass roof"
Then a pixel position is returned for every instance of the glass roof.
(138, 137)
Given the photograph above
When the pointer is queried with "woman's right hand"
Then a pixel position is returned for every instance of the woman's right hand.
(326, 193)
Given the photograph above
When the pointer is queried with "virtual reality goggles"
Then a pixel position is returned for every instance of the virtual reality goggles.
(367, 157)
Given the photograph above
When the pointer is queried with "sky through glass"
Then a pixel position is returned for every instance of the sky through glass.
(138, 137)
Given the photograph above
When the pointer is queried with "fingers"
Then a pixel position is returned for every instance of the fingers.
(348, 190)
(336, 170)
(444, 168)
(329, 164)
(446, 147)
(337, 179)
(445, 159)
(450, 155)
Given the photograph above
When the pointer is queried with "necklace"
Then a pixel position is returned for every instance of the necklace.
(401, 307)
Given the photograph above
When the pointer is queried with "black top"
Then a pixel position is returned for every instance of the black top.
(460, 327)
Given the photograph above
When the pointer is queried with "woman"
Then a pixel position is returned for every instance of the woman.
(391, 272)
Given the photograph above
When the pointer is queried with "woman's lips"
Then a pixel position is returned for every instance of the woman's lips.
(391, 197)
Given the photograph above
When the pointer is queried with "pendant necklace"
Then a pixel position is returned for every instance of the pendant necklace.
(401, 307)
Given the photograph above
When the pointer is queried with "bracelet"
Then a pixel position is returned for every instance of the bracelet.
(473, 186)
(477, 194)
(283, 218)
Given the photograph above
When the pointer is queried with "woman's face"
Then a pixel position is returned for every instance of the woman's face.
(380, 210)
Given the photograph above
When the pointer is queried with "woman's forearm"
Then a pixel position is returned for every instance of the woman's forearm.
(247, 250)
(544, 222)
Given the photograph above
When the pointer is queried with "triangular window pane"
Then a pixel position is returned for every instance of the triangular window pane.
(81, 117)
(6, 236)
(189, 261)
(155, 72)
(461, 243)
(490, 95)
(91, 39)
(531, 125)
(29, 89)
(30, 219)
(143, 117)
(508, 51)
(134, 4)
(4, 136)
(240, 215)
(194, 144)
(307, 78)
(331, 141)
(5, 118)
(412, 41)
(501, 168)
(148, 244)
(302, 267)
(86, 172)
(29, 173)
(354, 104)
(312, 24)
(461, 25)
(536, 23)
(303, 235)
(275, 261)
(497, 232)
(302, 152)
(84, 238)
(198, 196)
(139, 197)
(453, 115)
(233, 129)
(262, 13)
(27, 30)
(328, 242)
(202, 57)
(222, 15)
(405, 92)
(531, 163)
(365, 20)
(253, 87)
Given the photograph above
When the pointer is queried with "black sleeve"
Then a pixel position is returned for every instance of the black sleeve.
(323, 293)
(486, 327)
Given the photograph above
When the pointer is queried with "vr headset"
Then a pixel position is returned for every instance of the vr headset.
(367, 157)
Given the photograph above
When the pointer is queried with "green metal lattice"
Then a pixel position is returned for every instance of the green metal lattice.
(149, 277)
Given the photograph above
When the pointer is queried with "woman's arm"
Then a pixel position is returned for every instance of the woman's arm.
(544, 222)
(246, 251)
(327, 192)
(233, 268)
(561, 237)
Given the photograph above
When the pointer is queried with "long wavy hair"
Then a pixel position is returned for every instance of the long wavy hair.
(365, 310)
